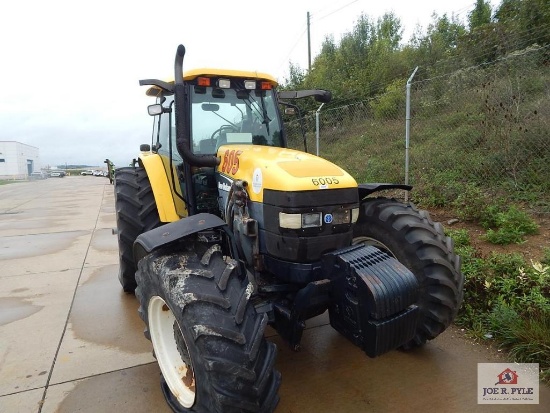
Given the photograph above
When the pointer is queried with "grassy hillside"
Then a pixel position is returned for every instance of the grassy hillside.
(483, 132)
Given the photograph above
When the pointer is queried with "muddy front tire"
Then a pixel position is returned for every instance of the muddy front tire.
(207, 337)
(410, 236)
(136, 212)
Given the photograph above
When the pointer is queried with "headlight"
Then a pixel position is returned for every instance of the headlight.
(315, 219)
(354, 215)
(297, 221)
(341, 217)
(292, 221)
(312, 219)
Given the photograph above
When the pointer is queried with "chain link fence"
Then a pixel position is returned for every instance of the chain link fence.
(483, 129)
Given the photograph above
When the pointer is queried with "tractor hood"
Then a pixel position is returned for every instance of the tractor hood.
(280, 169)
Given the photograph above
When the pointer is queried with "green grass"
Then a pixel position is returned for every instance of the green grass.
(507, 299)
(6, 182)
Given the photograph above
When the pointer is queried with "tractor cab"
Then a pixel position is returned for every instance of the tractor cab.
(223, 107)
(221, 111)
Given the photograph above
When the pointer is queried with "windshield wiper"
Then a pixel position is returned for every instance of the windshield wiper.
(231, 123)
(261, 115)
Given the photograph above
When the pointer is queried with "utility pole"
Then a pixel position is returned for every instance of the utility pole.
(308, 45)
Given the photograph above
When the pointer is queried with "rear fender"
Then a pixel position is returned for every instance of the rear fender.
(170, 207)
(367, 189)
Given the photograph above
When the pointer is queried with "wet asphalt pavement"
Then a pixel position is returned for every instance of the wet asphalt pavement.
(72, 341)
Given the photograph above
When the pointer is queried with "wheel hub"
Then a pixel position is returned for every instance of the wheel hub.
(171, 352)
(372, 242)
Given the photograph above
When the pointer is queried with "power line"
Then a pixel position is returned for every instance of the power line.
(329, 6)
(292, 48)
(336, 11)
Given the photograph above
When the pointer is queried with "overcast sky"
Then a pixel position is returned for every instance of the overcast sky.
(70, 69)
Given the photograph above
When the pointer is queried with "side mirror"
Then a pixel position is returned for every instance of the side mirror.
(320, 95)
(324, 96)
(155, 109)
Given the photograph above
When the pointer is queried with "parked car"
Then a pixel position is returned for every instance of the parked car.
(98, 173)
(88, 172)
(38, 175)
(57, 174)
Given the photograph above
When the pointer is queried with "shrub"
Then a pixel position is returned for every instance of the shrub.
(510, 299)
(545, 256)
(510, 227)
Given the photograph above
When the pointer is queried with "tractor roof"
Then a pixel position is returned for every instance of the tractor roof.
(208, 72)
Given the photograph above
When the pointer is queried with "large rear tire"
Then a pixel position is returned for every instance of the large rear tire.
(207, 337)
(136, 212)
(410, 236)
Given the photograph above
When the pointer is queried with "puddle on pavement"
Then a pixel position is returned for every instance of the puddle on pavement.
(24, 246)
(132, 390)
(104, 240)
(103, 314)
(331, 374)
(14, 309)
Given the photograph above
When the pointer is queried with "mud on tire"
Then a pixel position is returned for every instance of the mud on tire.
(422, 246)
(215, 328)
(136, 212)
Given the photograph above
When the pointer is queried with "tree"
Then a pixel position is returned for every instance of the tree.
(525, 21)
(439, 43)
(480, 15)
(389, 31)
(296, 77)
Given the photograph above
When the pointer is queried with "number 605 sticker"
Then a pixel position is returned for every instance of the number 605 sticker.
(324, 181)
(231, 161)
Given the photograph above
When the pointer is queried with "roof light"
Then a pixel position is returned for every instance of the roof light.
(266, 86)
(250, 84)
(224, 83)
(203, 81)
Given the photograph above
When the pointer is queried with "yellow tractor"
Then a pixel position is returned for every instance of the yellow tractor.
(223, 231)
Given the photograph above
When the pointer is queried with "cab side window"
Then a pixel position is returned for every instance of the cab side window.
(167, 131)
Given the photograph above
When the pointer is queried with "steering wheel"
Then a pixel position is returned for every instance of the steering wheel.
(220, 130)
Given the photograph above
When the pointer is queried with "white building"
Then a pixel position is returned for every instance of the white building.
(17, 160)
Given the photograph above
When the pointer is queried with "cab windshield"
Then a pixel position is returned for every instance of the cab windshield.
(226, 116)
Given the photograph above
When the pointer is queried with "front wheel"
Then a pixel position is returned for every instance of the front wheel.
(421, 245)
(207, 337)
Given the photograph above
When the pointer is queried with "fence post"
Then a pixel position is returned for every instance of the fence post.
(317, 127)
(408, 130)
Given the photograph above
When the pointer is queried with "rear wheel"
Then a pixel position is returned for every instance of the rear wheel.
(421, 245)
(136, 212)
(207, 337)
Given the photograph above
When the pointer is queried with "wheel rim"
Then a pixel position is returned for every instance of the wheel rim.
(372, 242)
(178, 375)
